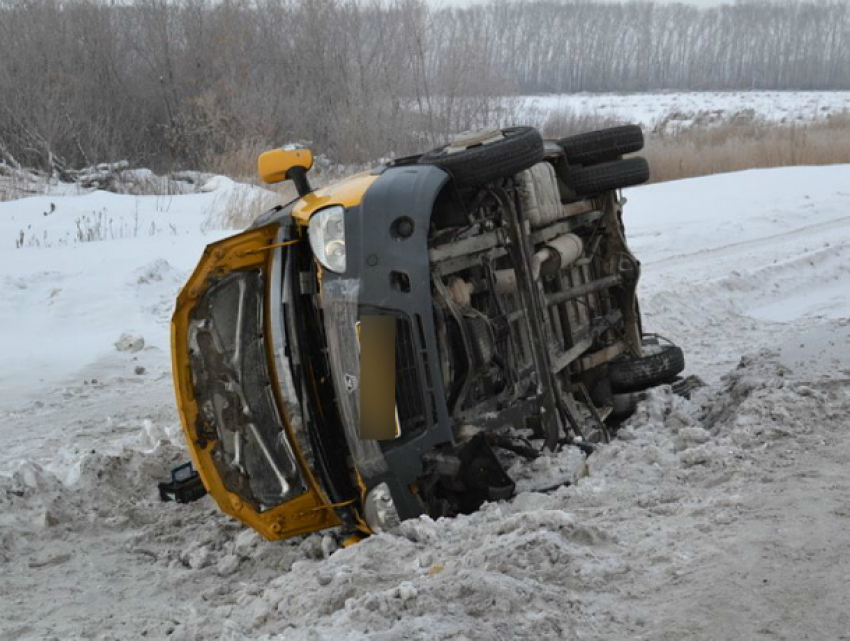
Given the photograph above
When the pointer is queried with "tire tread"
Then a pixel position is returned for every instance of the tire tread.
(594, 147)
(480, 165)
(588, 181)
(636, 374)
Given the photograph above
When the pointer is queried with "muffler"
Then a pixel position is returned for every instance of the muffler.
(559, 253)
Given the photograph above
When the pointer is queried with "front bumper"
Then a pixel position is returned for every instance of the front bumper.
(390, 275)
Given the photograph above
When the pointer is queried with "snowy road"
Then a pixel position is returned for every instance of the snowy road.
(723, 517)
(736, 262)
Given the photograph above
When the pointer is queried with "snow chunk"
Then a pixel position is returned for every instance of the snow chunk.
(130, 343)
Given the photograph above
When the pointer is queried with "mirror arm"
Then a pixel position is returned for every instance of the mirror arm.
(298, 175)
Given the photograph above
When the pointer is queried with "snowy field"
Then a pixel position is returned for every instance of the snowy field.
(723, 517)
(653, 110)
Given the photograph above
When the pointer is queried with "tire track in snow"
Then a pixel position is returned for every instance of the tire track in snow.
(713, 251)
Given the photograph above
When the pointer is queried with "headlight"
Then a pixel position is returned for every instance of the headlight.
(379, 509)
(327, 237)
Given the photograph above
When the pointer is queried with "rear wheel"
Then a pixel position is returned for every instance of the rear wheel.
(595, 147)
(477, 158)
(660, 364)
(587, 181)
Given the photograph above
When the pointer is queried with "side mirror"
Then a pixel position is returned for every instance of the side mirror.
(286, 163)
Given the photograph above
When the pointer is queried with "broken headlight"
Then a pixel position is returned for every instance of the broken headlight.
(379, 509)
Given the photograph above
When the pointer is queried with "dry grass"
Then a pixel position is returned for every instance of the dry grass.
(732, 147)
(735, 143)
(238, 161)
(17, 183)
(238, 208)
(565, 122)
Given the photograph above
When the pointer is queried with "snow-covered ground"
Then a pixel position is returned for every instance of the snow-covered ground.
(79, 269)
(685, 108)
(722, 517)
(736, 262)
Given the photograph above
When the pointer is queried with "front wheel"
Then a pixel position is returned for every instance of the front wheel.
(476, 158)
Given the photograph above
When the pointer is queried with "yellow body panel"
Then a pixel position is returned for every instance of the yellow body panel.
(273, 166)
(348, 193)
(307, 513)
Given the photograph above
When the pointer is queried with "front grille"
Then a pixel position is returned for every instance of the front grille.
(408, 386)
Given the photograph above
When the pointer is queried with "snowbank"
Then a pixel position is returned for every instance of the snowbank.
(78, 271)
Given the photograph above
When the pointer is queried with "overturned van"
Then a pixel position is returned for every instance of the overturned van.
(497, 273)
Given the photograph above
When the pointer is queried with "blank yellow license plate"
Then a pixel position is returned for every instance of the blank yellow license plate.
(378, 410)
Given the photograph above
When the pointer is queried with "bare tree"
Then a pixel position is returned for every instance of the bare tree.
(207, 82)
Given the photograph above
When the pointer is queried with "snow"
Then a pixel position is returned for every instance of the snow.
(723, 516)
(92, 266)
(665, 109)
(736, 262)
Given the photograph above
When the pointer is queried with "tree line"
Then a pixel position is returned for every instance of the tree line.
(642, 46)
(189, 82)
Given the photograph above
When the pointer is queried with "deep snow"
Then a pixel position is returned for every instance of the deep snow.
(723, 517)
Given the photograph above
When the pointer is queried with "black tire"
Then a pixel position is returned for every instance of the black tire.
(521, 148)
(595, 147)
(588, 181)
(635, 374)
